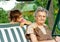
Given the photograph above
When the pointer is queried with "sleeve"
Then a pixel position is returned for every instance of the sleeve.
(49, 33)
(29, 31)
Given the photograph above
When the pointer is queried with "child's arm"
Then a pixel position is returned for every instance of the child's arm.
(24, 21)
(21, 24)
(28, 22)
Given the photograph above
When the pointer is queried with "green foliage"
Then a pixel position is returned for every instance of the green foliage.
(29, 16)
(3, 16)
(42, 3)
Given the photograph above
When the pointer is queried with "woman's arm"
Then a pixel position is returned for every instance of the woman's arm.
(33, 38)
(57, 39)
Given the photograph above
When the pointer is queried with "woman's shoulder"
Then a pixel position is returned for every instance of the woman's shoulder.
(30, 28)
(33, 25)
(45, 25)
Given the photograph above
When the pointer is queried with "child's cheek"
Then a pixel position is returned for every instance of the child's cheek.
(22, 20)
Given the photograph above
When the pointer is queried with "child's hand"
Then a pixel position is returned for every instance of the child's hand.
(28, 22)
(21, 24)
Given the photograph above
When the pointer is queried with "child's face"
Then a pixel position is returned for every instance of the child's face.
(20, 18)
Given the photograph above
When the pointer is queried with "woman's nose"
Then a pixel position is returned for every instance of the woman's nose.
(41, 17)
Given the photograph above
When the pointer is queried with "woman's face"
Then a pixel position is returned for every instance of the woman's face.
(41, 17)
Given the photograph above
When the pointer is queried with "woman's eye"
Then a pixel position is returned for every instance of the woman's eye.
(44, 16)
(39, 16)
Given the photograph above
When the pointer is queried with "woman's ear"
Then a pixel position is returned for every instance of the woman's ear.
(35, 18)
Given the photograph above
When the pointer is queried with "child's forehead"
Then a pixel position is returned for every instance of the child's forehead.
(17, 14)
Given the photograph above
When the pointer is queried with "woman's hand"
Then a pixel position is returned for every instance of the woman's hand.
(57, 39)
(33, 38)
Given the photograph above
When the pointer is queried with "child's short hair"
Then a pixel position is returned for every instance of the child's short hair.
(14, 15)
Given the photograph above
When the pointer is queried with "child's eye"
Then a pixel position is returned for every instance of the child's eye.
(20, 16)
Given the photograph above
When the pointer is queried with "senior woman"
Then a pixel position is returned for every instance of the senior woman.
(39, 31)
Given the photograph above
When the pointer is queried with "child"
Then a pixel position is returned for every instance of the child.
(16, 16)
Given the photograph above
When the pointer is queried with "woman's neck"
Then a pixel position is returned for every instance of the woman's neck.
(39, 24)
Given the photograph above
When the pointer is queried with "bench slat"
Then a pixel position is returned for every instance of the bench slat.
(12, 34)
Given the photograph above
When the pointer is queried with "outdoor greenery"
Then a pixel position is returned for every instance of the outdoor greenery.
(3, 16)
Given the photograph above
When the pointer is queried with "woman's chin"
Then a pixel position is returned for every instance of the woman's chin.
(41, 22)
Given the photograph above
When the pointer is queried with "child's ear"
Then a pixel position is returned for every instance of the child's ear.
(9, 19)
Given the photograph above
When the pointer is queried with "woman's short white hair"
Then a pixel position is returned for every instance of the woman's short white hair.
(40, 9)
